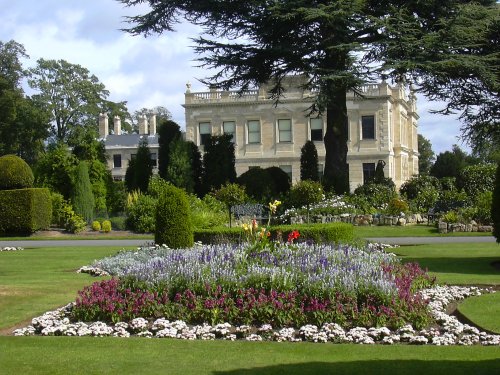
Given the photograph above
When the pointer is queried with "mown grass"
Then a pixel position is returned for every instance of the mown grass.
(33, 281)
(483, 310)
(70, 355)
(458, 263)
(409, 231)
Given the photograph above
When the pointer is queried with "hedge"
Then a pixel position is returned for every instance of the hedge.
(318, 233)
(24, 211)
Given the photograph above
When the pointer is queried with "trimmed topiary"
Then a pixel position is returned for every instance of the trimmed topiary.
(173, 219)
(106, 226)
(15, 173)
(96, 226)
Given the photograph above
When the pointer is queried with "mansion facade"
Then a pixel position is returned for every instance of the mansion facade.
(382, 125)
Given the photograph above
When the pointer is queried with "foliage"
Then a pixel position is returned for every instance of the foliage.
(179, 171)
(397, 206)
(309, 162)
(69, 92)
(450, 200)
(197, 170)
(173, 219)
(116, 196)
(426, 156)
(230, 194)
(83, 198)
(207, 212)
(331, 205)
(476, 179)
(11, 68)
(482, 206)
(57, 202)
(451, 163)
(15, 173)
(377, 195)
(96, 226)
(450, 217)
(106, 226)
(55, 170)
(141, 214)
(118, 222)
(24, 211)
(266, 184)
(140, 169)
(168, 131)
(495, 205)
(421, 192)
(72, 222)
(306, 193)
(218, 162)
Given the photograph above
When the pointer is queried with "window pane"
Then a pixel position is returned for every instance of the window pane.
(288, 170)
(253, 131)
(368, 171)
(117, 161)
(205, 128)
(285, 130)
(228, 127)
(317, 123)
(368, 127)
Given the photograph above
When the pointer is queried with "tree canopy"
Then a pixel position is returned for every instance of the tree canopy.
(426, 157)
(72, 95)
(445, 48)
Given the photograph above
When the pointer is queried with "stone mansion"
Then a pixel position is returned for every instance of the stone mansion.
(382, 126)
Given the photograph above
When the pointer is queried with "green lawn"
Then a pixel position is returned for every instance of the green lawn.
(36, 280)
(70, 355)
(408, 231)
(483, 310)
(461, 263)
(33, 281)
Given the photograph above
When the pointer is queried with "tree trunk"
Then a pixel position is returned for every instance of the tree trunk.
(336, 174)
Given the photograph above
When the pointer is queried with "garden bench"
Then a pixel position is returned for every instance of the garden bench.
(249, 210)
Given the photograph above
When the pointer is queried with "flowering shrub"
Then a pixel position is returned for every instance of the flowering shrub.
(285, 285)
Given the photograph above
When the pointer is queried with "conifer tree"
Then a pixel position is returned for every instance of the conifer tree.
(83, 199)
(309, 162)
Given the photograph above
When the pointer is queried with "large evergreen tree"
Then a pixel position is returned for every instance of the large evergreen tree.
(338, 46)
(179, 171)
(197, 170)
(309, 162)
(168, 131)
(218, 162)
(83, 199)
(140, 169)
(426, 157)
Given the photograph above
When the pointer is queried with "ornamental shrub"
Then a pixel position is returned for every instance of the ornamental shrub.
(96, 226)
(24, 211)
(231, 194)
(396, 207)
(106, 226)
(306, 193)
(421, 192)
(15, 173)
(309, 162)
(83, 198)
(173, 219)
(141, 213)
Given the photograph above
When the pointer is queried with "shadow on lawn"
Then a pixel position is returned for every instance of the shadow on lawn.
(377, 367)
(471, 265)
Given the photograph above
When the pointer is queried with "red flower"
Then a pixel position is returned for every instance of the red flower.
(293, 235)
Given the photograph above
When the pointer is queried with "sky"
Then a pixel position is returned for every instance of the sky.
(144, 72)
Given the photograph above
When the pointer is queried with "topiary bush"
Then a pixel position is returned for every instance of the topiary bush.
(15, 173)
(173, 219)
(96, 226)
(106, 226)
(24, 211)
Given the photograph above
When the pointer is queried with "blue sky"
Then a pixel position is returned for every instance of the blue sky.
(145, 72)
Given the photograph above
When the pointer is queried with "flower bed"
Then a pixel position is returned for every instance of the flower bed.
(11, 248)
(449, 331)
(282, 285)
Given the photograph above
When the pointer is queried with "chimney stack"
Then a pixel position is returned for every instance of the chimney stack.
(103, 125)
(117, 123)
(143, 124)
(152, 125)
